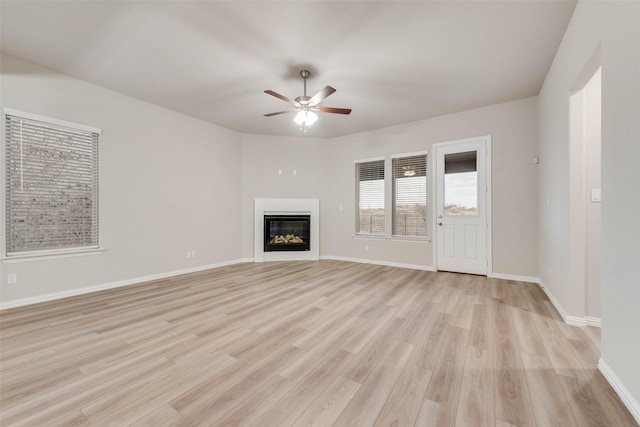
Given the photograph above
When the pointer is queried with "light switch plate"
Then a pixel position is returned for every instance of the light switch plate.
(596, 195)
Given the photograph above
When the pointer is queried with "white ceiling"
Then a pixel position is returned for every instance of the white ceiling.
(391, 62)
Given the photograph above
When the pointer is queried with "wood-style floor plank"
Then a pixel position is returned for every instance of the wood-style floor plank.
(329, 343)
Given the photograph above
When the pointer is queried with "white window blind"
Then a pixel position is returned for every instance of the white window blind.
(51, 186)
(370, 197)
(409, 195)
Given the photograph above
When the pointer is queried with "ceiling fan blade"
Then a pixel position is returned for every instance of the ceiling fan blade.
(279, 112)
(318, 97)
(334, 110)
(277, 95)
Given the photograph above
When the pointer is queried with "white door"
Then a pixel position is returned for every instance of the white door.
(461, 205)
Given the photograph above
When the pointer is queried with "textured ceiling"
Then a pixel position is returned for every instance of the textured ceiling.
(391, 62)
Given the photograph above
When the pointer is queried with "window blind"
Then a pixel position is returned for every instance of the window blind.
(370, 197)
(409, 196)
(51, 186)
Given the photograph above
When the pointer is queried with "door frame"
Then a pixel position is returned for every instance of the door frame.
(486, 140)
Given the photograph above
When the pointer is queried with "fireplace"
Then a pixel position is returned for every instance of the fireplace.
(286, 209)
(287, 233)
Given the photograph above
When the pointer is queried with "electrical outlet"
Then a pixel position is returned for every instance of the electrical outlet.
(12, 278)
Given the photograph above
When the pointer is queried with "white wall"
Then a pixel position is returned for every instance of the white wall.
(612, 27)
(165, 185)
(592, 180)
(513, 128)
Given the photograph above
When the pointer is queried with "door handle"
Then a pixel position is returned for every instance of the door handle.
(440, 223)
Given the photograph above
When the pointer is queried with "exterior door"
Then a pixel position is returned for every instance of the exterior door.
(462, 206)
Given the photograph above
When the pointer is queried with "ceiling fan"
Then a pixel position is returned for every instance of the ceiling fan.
(306, 105)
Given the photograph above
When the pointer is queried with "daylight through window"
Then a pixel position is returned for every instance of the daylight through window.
(370, 197)
(409, 201)
(52, 185)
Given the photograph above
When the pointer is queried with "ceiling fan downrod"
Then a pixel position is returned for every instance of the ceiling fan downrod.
(304, 99)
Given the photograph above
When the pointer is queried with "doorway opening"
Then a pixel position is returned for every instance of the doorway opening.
(585, 107)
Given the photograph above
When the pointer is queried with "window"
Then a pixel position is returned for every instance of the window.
(52, 185)
(370, 197)
(461, 184)
(409, 195)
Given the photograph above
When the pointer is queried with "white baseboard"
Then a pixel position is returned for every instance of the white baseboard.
(625, 395)
(514, 277)
(376, 262)
(80, 291)
(570, 320)
(594, 321)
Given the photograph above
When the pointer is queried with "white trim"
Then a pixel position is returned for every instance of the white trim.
(618, 386)
(50, 120)
(528, 279)
(43, 255)
(569, 320)
(575, 321)
(377, 262)
(370, 236)
(309, 207)
(594, 321)
(415, 153)
(370, 159)
(554, 301)
(136, 280)
(488, 203)
(412, 239)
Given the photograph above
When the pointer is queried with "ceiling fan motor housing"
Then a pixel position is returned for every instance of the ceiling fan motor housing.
(303, 100)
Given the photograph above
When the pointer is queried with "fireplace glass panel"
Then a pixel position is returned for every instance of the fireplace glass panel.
(286, 233)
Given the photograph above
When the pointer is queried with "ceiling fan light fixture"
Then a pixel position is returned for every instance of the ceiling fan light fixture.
(311, 118)
(300, 117)
(305, 117)
(303, 104)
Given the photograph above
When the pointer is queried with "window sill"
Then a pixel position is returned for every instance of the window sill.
(46, 255)
(394, 238)
(369, 236)
(411, 239)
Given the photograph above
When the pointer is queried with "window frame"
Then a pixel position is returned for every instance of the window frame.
(49, 253)
(388, 198)
(357, 198)
(392, 198)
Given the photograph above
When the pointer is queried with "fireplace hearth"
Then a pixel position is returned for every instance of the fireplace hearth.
(286, 233)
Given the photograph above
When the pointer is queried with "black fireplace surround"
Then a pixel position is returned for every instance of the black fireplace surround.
(286, 233)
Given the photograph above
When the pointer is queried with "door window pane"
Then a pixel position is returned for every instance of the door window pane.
(461, 184)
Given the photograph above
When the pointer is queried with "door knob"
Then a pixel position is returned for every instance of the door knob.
(439, 223)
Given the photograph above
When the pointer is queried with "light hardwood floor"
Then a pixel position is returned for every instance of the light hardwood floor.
(323, 343)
